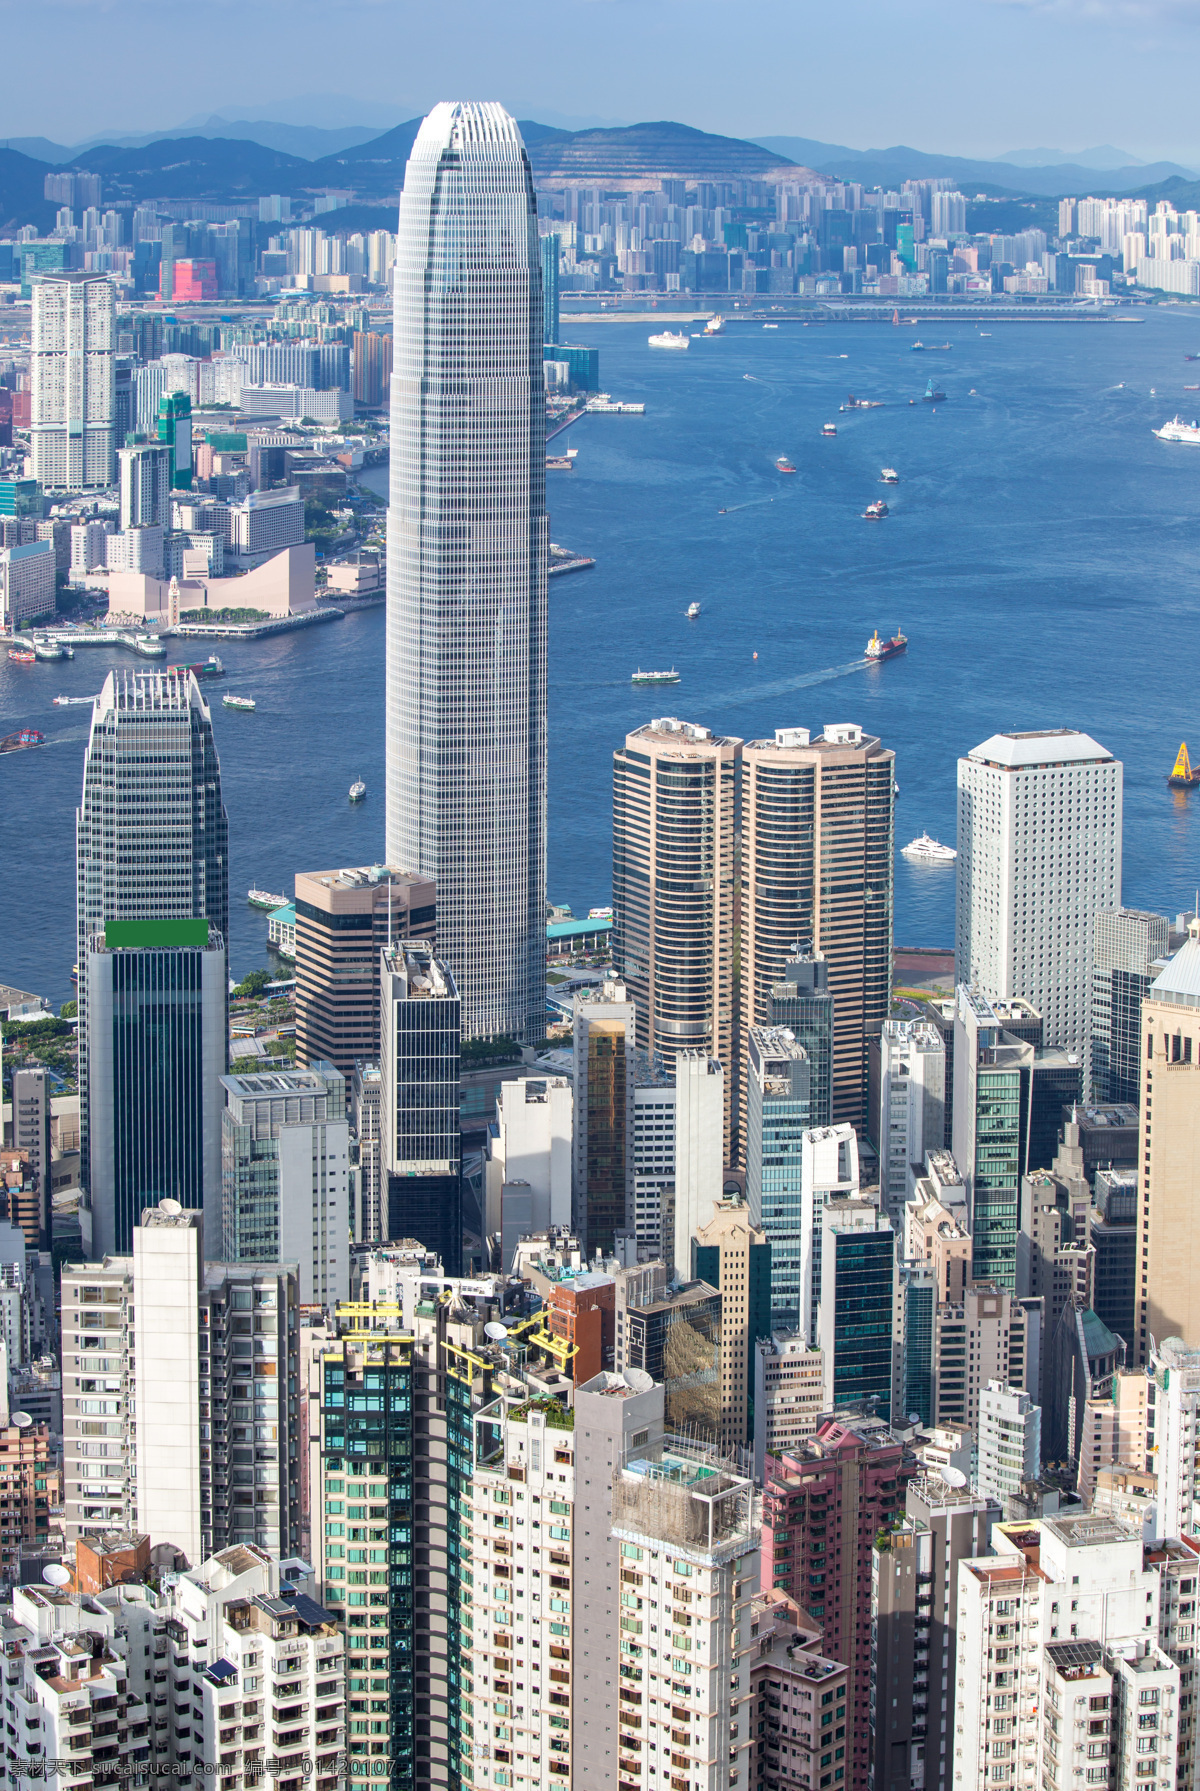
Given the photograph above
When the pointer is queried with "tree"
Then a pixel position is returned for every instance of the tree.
(254, 983)
(69, 1010)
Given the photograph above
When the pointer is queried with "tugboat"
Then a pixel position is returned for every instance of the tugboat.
(829, 429)
(877, 649)
(1182, 776)
(875, 512)
(784, 465)
(932, 395)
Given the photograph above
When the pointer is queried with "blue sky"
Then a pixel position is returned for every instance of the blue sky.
(968, 77)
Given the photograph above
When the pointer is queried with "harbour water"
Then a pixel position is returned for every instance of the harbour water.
(1041, 553)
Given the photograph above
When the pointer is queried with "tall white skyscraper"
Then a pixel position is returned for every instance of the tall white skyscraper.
(467, 550)
(1039, 852)
(74, 394)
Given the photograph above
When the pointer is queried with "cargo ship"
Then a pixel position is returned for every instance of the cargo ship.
(1182, 776)
(877, 649)
(784, 465)
(207, 668)
(23, 737)
(853, 403)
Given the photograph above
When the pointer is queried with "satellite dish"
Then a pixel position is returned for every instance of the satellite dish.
(954, 1477)
(169, 1206)
(914, 1417)
(496, 1332)
(56, 1574)
(638, 1380)
(21, 1420)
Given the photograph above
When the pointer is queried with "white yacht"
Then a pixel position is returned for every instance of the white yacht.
(929, 851)
(693, 610)
(669, 339)
(358, 790)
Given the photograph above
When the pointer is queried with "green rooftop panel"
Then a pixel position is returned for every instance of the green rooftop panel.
(155, 935)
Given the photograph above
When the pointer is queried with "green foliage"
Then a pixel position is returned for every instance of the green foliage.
(478, 1052)
(69, 1010)
(254, 983)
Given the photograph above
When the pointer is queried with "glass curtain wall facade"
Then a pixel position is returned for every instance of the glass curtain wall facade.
(778, 1083)
(419, 1066)
(861, 1332)
(1126, 945)
(467, 552)
(801, 1003)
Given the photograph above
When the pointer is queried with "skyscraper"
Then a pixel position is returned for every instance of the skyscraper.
(145, 476)
(1039, 853)
(603, 1130)
(778, 1077)
(733, 1256)
(151, 835)
(175, 433)
(910, 1114)
(156, 1046)
(419, 1131)
(1126, 945)
(467, 551)
(1169, 1282)
(73, 378)
(801, 1002)
(550, 245)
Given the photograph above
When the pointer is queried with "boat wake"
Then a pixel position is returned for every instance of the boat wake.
(782, 686)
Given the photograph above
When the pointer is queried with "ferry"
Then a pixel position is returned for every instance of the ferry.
(715, 326)
(829, 429)
(931, 395)
(237, 702)
(784, 465)
(669, 339)
(22, 737)
(692, 611)
(262, 898)
(641, 677)
(22, 656)
(889, 476)
(929, 851)
(1174, 431)
(875, 512)
(1182, 776)
(877, 649)
(358, 790)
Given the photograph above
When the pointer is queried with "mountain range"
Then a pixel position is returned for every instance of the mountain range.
(888, 167)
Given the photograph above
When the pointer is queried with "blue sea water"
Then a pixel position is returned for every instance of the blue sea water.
(1042, 555)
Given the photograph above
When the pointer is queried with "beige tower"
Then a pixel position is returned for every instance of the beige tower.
(674, 892)
(733, 1256)
(1169, 1156)
(816, 867)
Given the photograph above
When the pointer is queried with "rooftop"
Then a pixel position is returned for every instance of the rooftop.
(1040, 747)
(1180, 981)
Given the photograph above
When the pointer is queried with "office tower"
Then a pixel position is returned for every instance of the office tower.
(1081, 1359)
(802, 1694)
(551, 246)
(1125, 948)
(73, 381)
(801, 1003)
(674, 1336)
(913, 1662)
(145, 478)
(854, 1317)
(1109, 1136)
(1010, 1441)
(733, 1255)
(700, 1110)
(1115, 1440)
(653, 1151)
(990, 1067)
(156, 1044)
(467, 550)
(778, 1113)
(372, 362)
(366, 1118)
(265, 1667)
(816, 866)
(523, 1604)
(1052, 1086)
(148, 847)
(391, 1464)
(420, 1030)
(175, 434)
(1054, 1257)
(789, 1394)
(527, 1167)
(840, 1488)
(285, 1177)
(31, 1140)
(910, 1112)
(1039, 853)
(344, 918)
(828, 1173)
(1074, 1597)
(1112, 1233)
(935, 1229)
(1171, 1417)
(913, 1372)
(674, 831)
(603, 1037)
(679, 1501)
(195, 1443)
(1169, 1148)
(987, 1335)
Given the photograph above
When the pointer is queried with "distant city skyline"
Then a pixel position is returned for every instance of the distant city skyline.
(694, 70)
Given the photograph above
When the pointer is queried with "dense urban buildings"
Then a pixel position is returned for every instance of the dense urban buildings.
(73, 413)
(466, 664)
